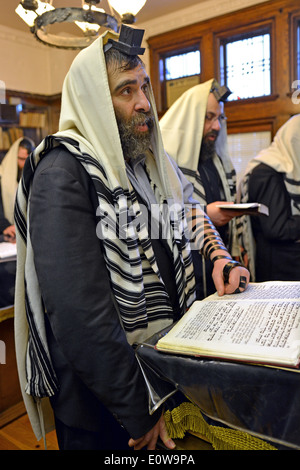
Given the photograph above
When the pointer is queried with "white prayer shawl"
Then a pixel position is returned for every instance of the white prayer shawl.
(182, 131)
(283, 155)
(88, 117)
(8, 179)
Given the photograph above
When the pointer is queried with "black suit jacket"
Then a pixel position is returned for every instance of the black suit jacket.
(276, 236)
(94, 363)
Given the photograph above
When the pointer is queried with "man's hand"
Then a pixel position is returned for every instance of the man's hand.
(10, 234)
(150, 438)
(238, 278)
(220, 216)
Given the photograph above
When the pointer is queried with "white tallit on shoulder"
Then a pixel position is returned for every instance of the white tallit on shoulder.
(283, 155)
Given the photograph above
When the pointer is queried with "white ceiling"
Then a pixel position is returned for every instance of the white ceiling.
(152, 9)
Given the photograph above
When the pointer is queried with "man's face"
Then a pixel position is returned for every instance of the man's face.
(22, 156)
(214, 113)
(212, 126)
(129, 92)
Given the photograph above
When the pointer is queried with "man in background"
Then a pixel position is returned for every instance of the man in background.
(10, 173)
(195, 134)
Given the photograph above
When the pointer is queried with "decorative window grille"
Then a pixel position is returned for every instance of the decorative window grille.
(242, 147)
(245, 66)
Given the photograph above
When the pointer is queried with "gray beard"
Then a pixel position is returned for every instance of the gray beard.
(133, 144)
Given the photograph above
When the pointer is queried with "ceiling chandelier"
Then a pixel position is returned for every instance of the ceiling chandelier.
(40, 15)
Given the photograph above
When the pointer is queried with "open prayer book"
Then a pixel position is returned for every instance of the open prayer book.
(248, 208)
(260, 325)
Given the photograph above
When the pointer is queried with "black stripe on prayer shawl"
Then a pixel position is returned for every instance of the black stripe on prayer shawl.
(112, 246)
(200, 194)
(24, 186)
(239, 223)
(291, 181)
(296, 201)
(85, 158)
(126, 276)
(132, 309)
(20, 222)
(187, 171)
(290, 185)
(39, 385)
(231, 178)
(198, 189)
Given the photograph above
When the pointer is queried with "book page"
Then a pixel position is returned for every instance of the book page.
(247, 205)
(7, 250)
(246, 208)
(261, 330)
(264, 290)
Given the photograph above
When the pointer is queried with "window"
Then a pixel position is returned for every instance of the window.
(182, 65)
(298, 52)
(267, 81)
(179, 72)
(295, 58)
(245, 66)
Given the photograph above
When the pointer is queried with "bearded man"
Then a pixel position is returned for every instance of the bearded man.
(195, 134)
(94, 277)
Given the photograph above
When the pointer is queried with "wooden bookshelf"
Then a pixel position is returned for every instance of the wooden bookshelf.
(38, 117)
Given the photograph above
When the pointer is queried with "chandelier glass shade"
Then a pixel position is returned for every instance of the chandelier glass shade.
(41, 16)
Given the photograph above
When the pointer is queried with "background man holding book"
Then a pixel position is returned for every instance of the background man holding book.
(195, 134)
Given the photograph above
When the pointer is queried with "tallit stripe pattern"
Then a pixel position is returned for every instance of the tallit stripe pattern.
(40, 385)
(238, 242)
(139, 292)
(132, 265)
(236, 225)
(41, 377)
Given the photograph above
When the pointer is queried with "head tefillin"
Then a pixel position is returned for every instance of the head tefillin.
(221, 93)
(129, 42)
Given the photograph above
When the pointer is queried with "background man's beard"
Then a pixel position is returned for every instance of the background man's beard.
(135, 143)
(208, 147)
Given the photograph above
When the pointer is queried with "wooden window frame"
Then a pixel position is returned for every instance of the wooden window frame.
(159, 51)
(294, 24)
(163, 57)
(245, 32)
